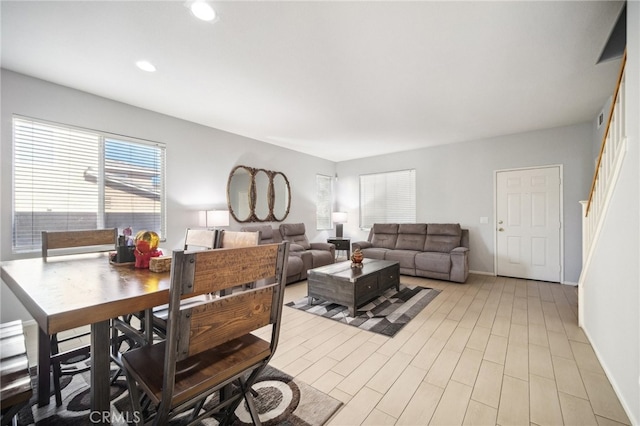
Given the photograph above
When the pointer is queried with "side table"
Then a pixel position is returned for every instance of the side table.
(342, 244)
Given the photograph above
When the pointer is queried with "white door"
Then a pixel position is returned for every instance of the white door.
(528, 223)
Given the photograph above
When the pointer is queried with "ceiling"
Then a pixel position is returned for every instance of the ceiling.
(334, 79)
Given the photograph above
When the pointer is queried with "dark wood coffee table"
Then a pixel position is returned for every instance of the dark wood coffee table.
(352, 287)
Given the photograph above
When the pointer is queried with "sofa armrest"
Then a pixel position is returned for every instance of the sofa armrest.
(459, 264)
(361, 245)
(307, 261)
(295, 247)
(322, 246)
(459, 250)
(331, 248)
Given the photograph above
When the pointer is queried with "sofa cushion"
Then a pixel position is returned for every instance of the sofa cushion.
(406, 258)
(411, 236)
(295, 233)
(435, 262)
(442, 237)
(385, 235)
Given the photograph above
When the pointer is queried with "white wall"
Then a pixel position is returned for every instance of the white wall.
(455, 183)
(199, 159)
(611, 289)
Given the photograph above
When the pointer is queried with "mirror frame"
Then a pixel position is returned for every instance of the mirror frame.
(272, 197)
(253, 195)
(262, 208)
(250, 193)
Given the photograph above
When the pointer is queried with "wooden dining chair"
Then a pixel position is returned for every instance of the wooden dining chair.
(210, 345)
(204, 239)
(61, 243)
(135, 335)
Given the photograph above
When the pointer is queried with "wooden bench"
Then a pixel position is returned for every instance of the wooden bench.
(15, 381)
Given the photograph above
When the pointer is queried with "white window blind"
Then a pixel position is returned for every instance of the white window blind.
(324, 201)
(66, 178)
(388, 198)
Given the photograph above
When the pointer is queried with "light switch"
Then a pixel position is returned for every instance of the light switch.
(484, 219)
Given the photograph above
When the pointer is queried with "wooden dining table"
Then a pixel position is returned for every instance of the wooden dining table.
(66, 292)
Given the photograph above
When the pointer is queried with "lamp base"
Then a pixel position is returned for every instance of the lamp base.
(338, 230)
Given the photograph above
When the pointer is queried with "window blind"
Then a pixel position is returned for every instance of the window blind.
(65, 178)
(324, 201)
(388, 198)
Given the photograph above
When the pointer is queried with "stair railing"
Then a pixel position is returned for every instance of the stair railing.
(610, 158)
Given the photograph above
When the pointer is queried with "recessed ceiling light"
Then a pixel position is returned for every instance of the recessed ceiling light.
(146, 66)
(202, 10)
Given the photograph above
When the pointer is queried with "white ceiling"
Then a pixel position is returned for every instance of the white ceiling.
(334, 79)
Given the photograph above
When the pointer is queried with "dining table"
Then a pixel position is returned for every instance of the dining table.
(66, 292)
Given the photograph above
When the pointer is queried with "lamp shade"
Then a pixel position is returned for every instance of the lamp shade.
(339, 217)
(214, 218)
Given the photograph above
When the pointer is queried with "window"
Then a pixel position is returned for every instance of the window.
(388, 198)
(324, 202)
(66, 178)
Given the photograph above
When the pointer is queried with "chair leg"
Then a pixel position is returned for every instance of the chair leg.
(196, 409)
(252, 407)
(247, 392)
(134, 395)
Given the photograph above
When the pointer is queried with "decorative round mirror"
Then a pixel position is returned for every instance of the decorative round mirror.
(239, 193)
(261, 181)
(281, 196)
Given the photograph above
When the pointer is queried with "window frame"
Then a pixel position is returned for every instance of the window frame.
(326, 203)
(410, 197)
(101, 209)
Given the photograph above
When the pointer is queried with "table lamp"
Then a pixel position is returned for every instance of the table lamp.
(339, 218)
(214, 218)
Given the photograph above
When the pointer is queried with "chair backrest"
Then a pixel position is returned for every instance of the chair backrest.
(204, 239)
(195, 328)
(235, 239)
(86, 241)
(295, 232)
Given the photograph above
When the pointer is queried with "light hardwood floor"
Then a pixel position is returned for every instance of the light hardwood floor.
(492, 351)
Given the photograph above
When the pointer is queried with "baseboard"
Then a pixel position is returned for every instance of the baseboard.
(571, 283)
(614, 384)
(482, 273)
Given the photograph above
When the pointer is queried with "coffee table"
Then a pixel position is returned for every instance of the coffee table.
(352, 287)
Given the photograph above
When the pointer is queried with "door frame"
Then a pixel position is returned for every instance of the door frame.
(495, 213)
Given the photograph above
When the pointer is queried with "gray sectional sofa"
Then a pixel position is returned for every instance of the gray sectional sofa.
(432, 250)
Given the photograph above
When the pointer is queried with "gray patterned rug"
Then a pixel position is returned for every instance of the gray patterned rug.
(386, 314)
(280, 400)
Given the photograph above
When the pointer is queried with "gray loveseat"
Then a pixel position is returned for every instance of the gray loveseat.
(302, 254)
(297, 264)
(434, 250)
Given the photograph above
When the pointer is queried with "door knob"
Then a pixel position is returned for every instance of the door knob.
(500, 229)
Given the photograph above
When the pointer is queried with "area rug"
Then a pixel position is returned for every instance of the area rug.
(280, 400)
(385, 315)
